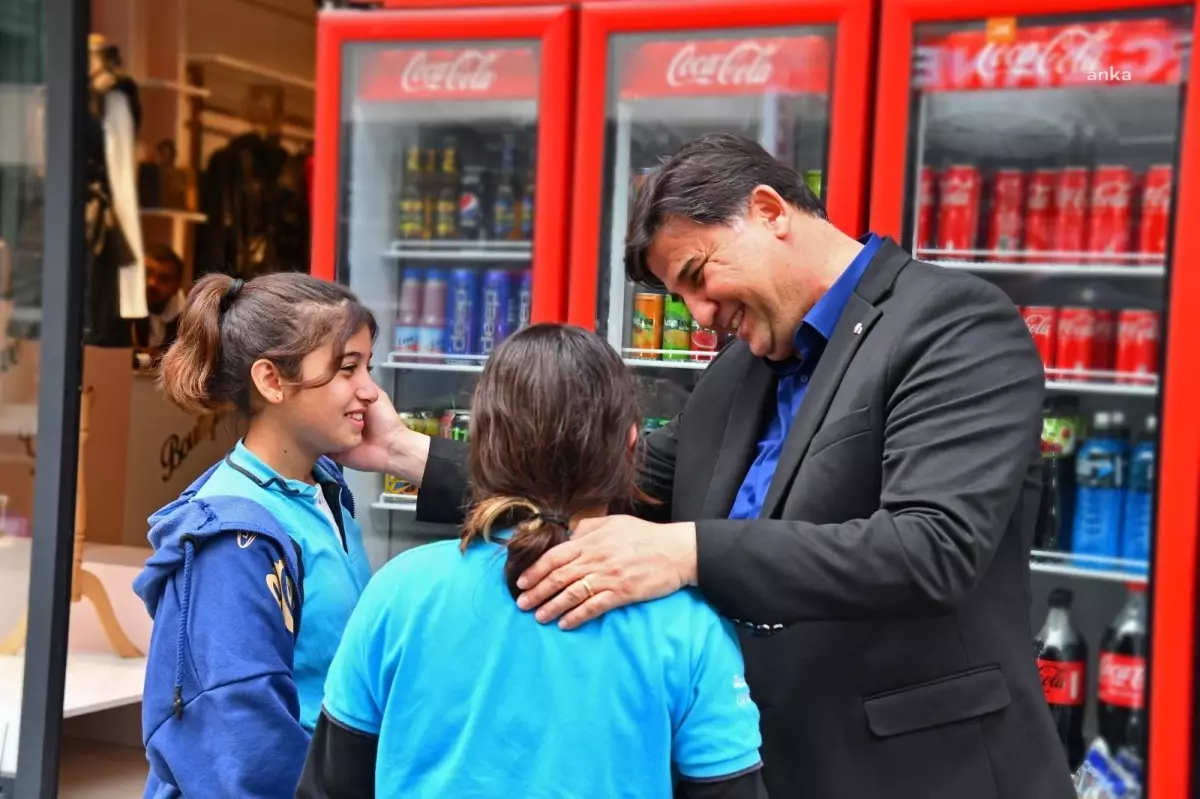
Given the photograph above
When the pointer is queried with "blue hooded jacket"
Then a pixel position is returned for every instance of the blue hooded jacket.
(232, 689)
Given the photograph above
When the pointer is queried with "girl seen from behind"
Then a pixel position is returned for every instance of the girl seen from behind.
(258, 565)
(442, 687)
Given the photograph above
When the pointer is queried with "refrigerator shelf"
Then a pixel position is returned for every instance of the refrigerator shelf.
(1089, 567)
(434, 362)
(656, 363)
(1071, 270)
(490, 251)
(395, 502)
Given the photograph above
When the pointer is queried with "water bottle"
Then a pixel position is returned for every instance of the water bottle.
(1139, 499)
(1100, 491)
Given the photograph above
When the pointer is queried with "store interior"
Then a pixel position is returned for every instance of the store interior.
(206, 108)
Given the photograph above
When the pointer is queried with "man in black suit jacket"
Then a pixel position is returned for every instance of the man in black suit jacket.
(870, 534)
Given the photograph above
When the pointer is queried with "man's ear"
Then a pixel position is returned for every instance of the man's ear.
(267, 381)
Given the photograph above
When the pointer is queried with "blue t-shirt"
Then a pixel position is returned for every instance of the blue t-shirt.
(471, 697)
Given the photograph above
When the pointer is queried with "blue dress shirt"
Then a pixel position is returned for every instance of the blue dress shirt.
(811, 338)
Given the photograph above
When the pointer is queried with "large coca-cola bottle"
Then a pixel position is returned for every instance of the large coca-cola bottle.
(1062, 661)
(1123, 676)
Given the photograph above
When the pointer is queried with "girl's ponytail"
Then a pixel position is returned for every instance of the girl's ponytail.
(188, 367)
(536, 533)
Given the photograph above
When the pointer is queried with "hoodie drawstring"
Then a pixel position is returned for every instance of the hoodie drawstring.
(189, 546)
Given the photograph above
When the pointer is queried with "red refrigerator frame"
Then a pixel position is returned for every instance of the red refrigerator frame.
(1173, 588)
(553, 26)
(850, 97)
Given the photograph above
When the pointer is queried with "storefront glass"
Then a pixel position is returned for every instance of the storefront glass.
(22, 195)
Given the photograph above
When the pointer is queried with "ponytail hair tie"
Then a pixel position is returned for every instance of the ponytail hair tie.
(560, 519)
(231, 293)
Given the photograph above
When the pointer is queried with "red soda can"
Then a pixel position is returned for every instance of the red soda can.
(1042, 321)
(925, 207)
(1156, 213)
(958, 209)
(1041, 212)
(1137, 346)
(1070, 231)
(1008, 199)
(1110, 217)
(1075, 348)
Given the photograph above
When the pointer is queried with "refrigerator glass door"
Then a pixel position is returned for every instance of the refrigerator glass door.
(771, 85)
(435, 229)
(1042, 156)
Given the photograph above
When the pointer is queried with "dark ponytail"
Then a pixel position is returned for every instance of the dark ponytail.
(550, 423)
(228, 325)
(536, 532)
(187, 368)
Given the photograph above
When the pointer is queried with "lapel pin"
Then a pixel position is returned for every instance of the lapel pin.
(858, 329)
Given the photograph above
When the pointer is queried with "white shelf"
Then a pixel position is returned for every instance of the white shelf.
(648, 363)
(1147, 272)
(489, 251)
(250, 68)
(1089, 567)
(175, 213)
(393, 502)
(174, 86)
(434, 362)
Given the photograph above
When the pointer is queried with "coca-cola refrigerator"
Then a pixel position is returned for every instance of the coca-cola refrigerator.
(792, 74)
(442, 176)
(1051, 147)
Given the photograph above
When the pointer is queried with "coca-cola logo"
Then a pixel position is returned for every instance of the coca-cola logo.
(1072, 198)
(1113, 194)
(1156, 197)
(1072, 51)
(1040, 195)
(1039, 324)
(466, 71)
(1122, 674)
(1077, 326)
(957, 190)
(1139, 328)
(747, 64)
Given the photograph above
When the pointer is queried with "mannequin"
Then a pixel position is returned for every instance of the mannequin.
(117, 279)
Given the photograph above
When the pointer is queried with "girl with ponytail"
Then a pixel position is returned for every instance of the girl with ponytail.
(442, 687)
(258, 565)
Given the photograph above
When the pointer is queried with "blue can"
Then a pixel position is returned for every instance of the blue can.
(522, 299)
(462, 297)
(494, 311)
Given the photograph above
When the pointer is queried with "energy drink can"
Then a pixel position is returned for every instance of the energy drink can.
(462, 297)
(494, 311)
(460, 426)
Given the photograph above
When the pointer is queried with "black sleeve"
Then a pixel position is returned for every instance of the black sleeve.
(340, 763)
(442, 498)
(656, 472)
(748, 785)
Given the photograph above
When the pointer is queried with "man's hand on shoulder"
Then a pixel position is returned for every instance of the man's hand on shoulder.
(610, 561)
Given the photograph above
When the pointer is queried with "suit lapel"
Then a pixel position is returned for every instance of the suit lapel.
(754, 397)
(852, 327)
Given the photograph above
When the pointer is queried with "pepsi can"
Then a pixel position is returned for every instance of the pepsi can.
(462, 297)
(494, 311)
(470, 205)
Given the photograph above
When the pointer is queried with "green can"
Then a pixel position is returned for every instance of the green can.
(460, 426)
(813, 178)
(677, 328)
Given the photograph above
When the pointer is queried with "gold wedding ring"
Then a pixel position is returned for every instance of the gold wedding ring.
(588, 586)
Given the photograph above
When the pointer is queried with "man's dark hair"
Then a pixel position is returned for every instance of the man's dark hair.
(165, 255)
(709, 181)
